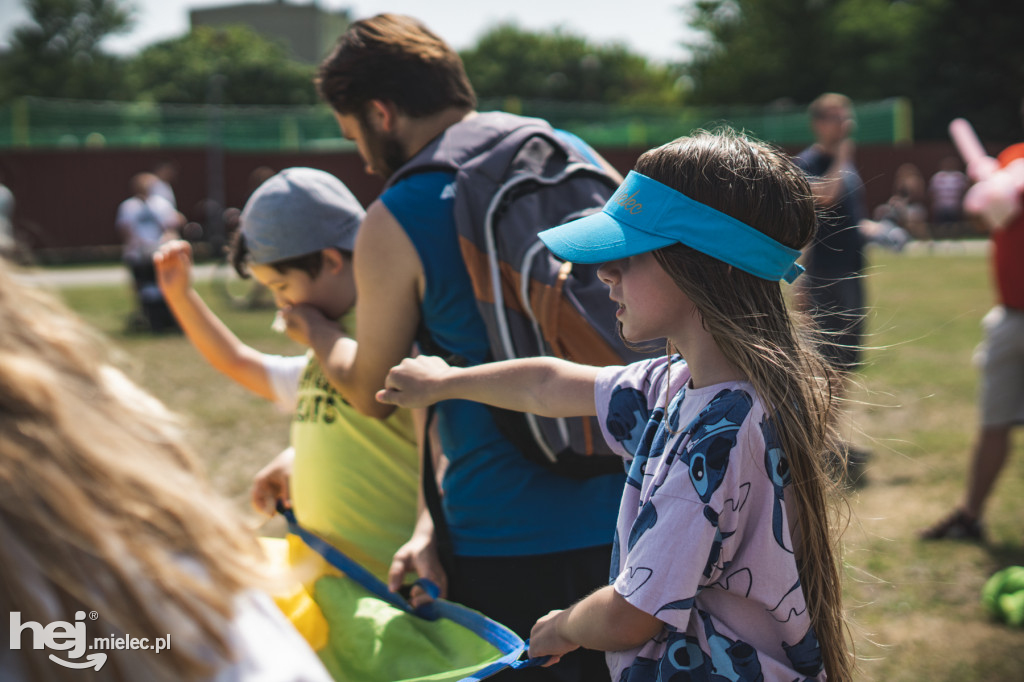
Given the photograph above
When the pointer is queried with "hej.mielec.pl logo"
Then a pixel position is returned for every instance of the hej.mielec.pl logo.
(72, 638)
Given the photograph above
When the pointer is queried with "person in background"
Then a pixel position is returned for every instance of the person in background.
(1001, 357)
(946, 189)
(905, 208)
(833, 292)
(165, 172)
(104, 511)
(146, 220)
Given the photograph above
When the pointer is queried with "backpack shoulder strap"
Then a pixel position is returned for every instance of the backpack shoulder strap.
(467, 140)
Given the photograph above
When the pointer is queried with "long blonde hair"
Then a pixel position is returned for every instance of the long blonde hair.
(101, 506)
(749, 320)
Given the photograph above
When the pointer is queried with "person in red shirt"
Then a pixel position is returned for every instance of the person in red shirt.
(1002, 389)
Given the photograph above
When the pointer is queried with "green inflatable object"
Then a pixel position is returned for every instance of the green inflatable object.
(1003, 595)
(371, 641)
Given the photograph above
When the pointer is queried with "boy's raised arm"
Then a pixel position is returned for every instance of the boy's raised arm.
(211, 337)
(544, 386)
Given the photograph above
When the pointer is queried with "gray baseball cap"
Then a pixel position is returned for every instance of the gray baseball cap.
(297, 212)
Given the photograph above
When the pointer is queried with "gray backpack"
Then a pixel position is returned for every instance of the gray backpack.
(515, 177)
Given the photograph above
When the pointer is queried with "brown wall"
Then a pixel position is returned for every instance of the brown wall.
(66, 200)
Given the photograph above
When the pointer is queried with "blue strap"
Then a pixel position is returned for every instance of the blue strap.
(497, 635)
(344, 563)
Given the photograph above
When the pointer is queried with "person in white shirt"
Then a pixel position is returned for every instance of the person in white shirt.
(144, 221)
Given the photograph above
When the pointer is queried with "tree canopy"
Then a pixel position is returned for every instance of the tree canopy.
(243, 66)
(58, 54)
(558, 65)
(949, 57)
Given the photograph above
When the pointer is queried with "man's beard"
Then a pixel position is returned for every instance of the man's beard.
(386, 154)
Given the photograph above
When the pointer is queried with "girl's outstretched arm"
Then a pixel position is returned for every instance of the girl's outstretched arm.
(544, 386)
(604, 621)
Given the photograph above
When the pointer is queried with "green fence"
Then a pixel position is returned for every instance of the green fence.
(50, 123)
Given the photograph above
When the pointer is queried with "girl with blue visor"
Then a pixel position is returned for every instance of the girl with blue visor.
(726, 554)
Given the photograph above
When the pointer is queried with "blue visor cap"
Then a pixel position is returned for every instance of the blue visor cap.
(644, 215)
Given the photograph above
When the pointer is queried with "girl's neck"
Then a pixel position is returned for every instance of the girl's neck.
(707, 364)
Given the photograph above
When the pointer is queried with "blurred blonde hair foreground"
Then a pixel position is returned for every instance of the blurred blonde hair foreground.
(101, 506)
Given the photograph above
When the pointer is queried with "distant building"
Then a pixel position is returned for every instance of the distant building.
(308, 31)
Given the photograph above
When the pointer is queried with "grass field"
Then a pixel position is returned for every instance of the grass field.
(915, 605)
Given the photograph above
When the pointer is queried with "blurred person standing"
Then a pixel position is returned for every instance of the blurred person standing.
(833, 292)
(165, 172)
(144, 221)
(908, 201)
(946, 190)
(1001, 357)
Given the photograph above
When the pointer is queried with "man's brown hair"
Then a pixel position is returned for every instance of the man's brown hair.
(396, 59)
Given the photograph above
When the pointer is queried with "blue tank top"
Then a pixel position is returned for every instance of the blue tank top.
(496, 502)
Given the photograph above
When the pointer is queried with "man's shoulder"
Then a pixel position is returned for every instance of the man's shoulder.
(420, 189)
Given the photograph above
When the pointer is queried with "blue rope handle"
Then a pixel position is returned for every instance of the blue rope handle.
(497, 635)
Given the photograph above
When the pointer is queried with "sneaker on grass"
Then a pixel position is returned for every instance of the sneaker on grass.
(957, 526)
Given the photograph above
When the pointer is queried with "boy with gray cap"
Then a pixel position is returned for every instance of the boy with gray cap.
(352, 479)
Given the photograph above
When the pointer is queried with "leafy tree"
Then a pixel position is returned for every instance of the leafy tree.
(950, 57)
(508, 61)
(759, 51)
(970, 62)
(59, 54)
(233, 64)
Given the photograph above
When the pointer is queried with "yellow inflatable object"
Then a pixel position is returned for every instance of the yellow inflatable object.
(295, 599)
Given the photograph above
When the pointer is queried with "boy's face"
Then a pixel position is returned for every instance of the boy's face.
(329, 292)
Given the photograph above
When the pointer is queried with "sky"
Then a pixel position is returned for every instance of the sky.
(653, 28)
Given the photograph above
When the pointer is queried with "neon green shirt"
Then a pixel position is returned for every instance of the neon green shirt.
(355, 478)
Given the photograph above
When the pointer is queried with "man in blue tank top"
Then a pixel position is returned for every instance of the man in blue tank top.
(525, 540)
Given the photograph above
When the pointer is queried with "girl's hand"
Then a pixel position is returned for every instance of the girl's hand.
(416, 382)
(546, 640)
(173, 263)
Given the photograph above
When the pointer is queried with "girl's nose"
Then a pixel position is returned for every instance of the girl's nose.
(608, 272)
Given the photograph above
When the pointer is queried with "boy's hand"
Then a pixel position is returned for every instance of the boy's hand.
(415, 382)
(173, 263)
(270, 484)
(300, 321)
(545, 639)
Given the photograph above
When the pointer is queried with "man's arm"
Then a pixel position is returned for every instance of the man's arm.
(389, 282)
(545, 386)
